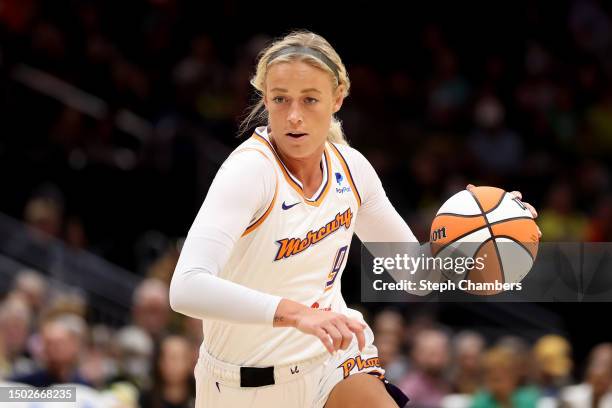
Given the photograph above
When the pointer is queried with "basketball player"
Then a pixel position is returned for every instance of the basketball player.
(262, 262)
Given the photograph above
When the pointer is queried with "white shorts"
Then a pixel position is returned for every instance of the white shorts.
(304, 384)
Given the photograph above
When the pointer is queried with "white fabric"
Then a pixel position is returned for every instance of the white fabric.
(225, 278)
(581, 396)
(235, 197)
(298, 385)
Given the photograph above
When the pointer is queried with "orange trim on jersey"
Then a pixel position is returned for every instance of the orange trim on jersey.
(347, 171)
(290, 180)
(261, 219)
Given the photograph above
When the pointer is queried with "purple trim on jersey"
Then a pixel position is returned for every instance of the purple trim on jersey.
(325, 170)
(349, 170)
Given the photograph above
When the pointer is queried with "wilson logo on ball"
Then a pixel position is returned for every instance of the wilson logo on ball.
(440, 233)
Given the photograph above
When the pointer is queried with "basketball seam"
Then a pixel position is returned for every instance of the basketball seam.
(519, 243)
(460, 215)
(509, 237)
(510, 219)
(496, 205)
(501, 265)
(475, 252)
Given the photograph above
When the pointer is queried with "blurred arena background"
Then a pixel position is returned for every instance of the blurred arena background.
(115, 116)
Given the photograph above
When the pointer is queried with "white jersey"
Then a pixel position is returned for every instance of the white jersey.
(257, 239)
(296, 249)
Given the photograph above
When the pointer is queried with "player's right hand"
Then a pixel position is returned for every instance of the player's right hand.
(335, 330)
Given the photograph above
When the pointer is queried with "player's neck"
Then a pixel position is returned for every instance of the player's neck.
(308, 170)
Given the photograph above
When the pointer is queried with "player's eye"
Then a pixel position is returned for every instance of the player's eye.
(311, 101)
(278, 99)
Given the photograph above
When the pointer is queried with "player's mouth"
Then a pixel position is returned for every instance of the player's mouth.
(296, 135)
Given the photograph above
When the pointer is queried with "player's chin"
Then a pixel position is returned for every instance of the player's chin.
(299, 149)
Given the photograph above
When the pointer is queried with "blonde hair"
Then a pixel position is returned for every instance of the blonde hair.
(303, 39)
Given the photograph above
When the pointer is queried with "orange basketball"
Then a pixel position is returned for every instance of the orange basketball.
(489, 224)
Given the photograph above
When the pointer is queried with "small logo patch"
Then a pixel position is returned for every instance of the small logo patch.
(286, 207)
(356, 362)
(339, 178)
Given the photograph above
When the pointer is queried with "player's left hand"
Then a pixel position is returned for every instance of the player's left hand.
(517, 194)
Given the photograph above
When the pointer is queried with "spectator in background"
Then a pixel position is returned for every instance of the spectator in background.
(199, 77)
(133, 352)
(162, 267)
(593, 183)
(490, 137)
(448, 90)
(44, 215)
(62, 339)
(559, 220)
(192, 329)
(563, 119)
(599, 122)
(426, 383)
(5, 367)
(553, 364)
(421, 318)
(75, 235)
(502, 383)
(388, 334)
(70, 300)
(33, 286)
(15, 322)
(173, 384)
(468, 347)
(151, 307)
(596, 390)
(600, 225)
(98, 364)
(520, 350)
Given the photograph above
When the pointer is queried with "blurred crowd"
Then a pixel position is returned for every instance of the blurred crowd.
(438, 367)
(530, 111)
(45, 339)
(119, 164)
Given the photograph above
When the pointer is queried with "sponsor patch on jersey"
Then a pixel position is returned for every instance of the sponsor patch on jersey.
(341, 189)
(292, 246)
(339, 178)
(357, 362)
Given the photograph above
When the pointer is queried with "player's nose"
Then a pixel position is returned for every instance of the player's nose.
(295, 116)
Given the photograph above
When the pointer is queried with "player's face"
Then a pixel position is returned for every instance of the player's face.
(300, 100)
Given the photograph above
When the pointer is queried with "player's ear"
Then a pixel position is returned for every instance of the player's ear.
(265, 101)
(338, 98)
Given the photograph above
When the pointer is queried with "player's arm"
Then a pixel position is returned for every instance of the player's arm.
(241, 189)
